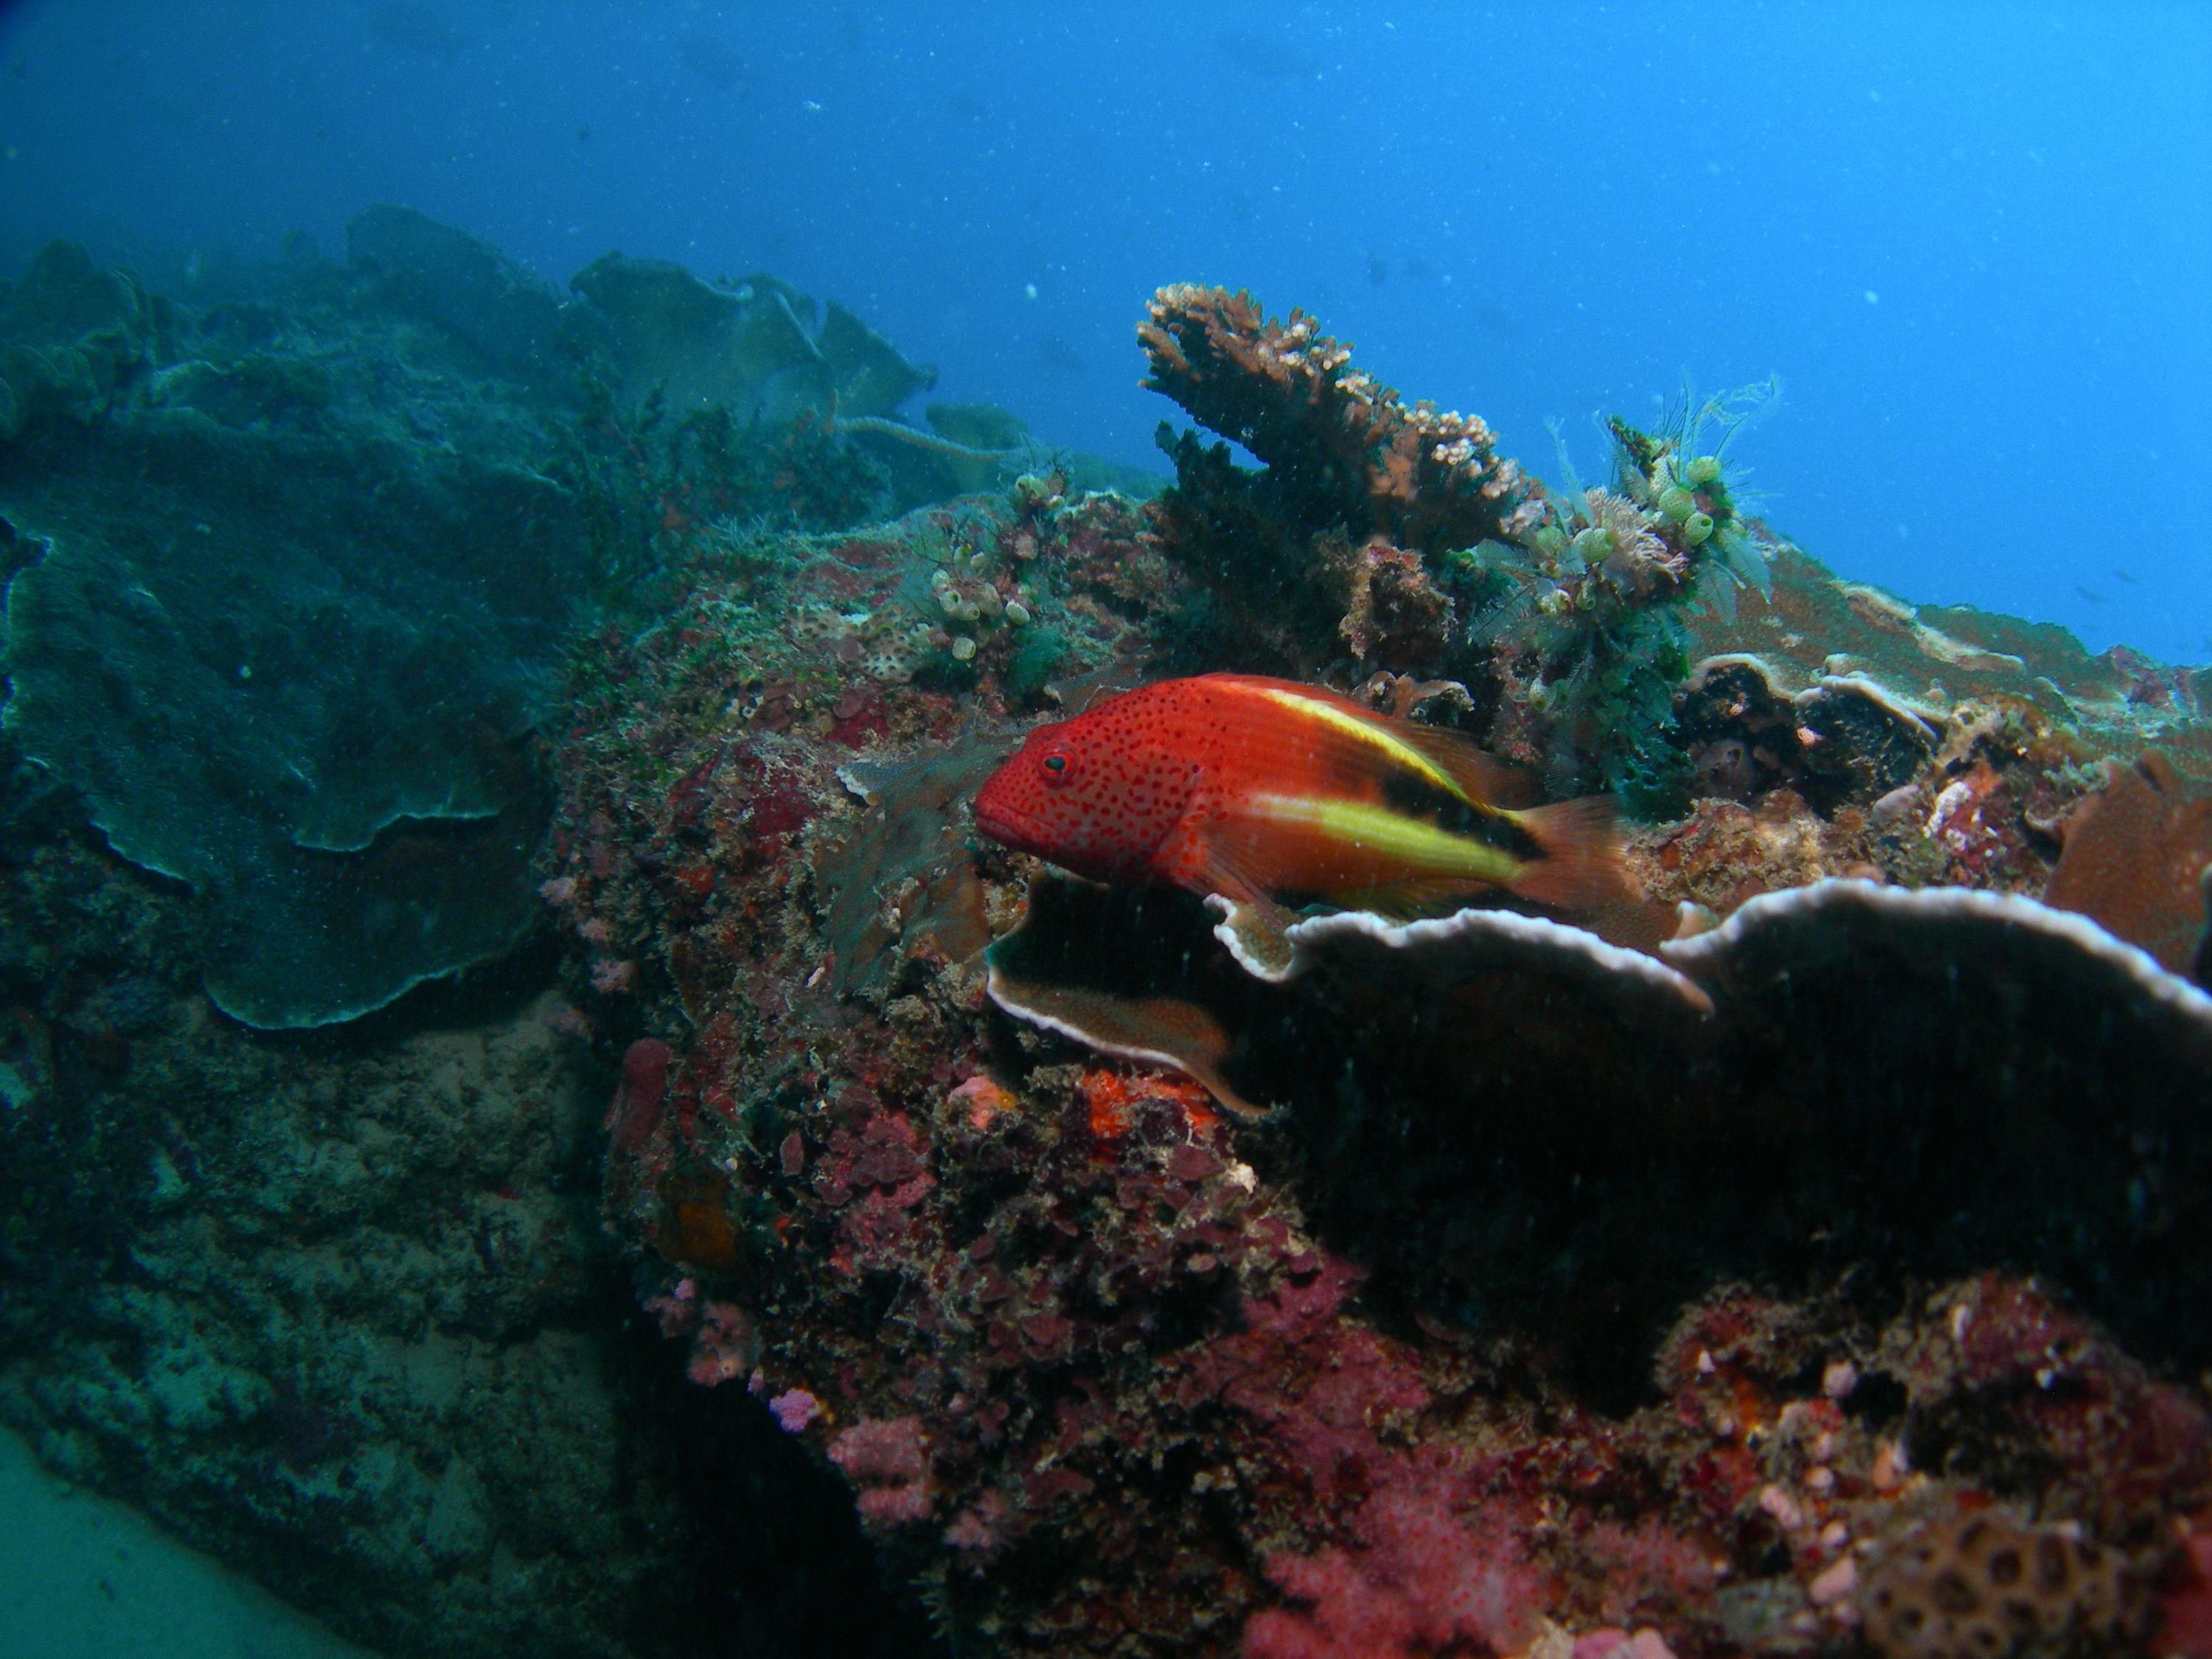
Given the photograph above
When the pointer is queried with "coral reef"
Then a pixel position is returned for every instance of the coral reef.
(1800, 1256)
(290, 574)
(1641, 1290)
(292, 563)
(752, 347)
(1773, 1069)
(277, 649)
(340, 1312)
(74, 339)
(477, 297)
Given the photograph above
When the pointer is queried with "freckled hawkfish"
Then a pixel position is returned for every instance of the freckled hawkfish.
(1259, 790)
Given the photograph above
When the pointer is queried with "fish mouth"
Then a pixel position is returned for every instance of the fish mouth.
(1010, 828)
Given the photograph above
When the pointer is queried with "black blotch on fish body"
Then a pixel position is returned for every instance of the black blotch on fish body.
(1411, 796)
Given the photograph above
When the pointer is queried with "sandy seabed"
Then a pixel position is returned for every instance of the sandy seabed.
(85, 1577)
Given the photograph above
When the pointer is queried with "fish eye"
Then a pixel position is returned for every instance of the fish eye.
(1055, 767)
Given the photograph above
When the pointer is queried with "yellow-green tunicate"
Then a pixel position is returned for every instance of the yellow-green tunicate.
(962, 648)
(1705, 470)
(1017, 612)
(1677, 504)
(1697, 527)
(1593, 545)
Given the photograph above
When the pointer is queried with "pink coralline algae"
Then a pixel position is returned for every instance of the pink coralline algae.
(723, 1348)
(1423, 1580)
(1609, 1643)
(2185, 1609)
(1319, 1386)
(887, 1461)
(636, 1106)
(677, 1310)
(794, 1410)
(611, 978)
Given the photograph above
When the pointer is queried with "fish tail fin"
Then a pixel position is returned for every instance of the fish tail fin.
(1581, 865)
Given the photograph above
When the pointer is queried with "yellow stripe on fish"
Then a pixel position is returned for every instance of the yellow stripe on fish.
(1379, 738)
(1424, 848)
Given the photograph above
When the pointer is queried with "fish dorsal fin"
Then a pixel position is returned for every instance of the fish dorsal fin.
(1365, 740)
(1481, 776)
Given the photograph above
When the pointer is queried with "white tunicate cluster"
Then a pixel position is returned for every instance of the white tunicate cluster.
(970, 605)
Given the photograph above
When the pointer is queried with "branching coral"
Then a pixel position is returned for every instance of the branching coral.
(1343, 450)
(1357, 486)
(1400, 535)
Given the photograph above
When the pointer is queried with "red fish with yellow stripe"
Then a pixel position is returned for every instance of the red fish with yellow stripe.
(1260, 789)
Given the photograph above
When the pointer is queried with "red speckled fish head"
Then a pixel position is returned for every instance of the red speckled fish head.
(1095, 795)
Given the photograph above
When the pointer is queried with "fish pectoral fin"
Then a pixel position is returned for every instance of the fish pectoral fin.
(1226, 873)
(1252, 924)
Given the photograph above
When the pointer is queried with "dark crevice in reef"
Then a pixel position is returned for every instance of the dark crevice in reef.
(777, 1562)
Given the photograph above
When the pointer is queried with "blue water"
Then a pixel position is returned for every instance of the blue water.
(1972, 240)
